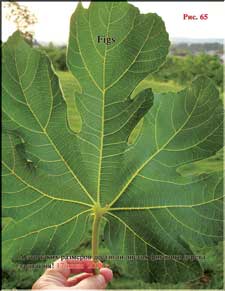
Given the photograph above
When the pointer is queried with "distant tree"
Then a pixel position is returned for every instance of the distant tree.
(183, 69)
(57, 54)
(22, 17)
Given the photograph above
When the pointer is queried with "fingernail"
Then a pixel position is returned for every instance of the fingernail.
(100, 279)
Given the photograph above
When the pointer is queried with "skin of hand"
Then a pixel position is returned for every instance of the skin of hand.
(59, 277)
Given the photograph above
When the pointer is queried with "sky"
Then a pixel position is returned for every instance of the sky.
(53, 19)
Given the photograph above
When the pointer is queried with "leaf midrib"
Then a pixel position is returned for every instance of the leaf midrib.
(108, 87)
(103, 113)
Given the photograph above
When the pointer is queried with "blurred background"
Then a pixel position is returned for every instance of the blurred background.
(196, 48)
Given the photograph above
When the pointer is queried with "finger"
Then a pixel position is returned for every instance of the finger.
(59, 267)
(83, 266)
(73, 266)
(93, 282)
(107, 273)
(76, 279)
(55, 276)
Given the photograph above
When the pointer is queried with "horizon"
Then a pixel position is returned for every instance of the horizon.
(174, 40)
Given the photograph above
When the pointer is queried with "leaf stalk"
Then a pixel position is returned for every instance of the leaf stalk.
(98, 213)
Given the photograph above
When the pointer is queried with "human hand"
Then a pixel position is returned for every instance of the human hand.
(59, 278)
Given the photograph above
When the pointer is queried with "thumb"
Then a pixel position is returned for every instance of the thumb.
(94, 282)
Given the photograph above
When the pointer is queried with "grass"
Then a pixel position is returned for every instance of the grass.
(160, 87)
(69, 86)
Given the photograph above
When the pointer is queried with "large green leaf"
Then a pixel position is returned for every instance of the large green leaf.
(56, 180)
